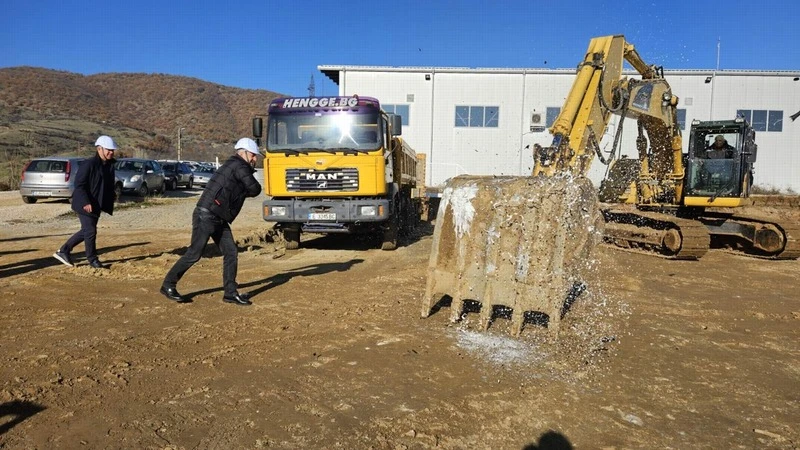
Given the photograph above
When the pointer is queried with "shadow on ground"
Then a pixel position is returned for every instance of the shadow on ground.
(13, 413)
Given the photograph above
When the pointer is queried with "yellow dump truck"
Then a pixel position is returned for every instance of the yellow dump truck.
(337, 165)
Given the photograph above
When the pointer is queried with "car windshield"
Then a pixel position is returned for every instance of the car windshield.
(130, 166)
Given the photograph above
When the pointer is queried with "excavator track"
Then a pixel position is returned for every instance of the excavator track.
(786, 235)
(656, 233)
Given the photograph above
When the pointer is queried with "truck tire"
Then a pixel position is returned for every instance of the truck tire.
(292, 238)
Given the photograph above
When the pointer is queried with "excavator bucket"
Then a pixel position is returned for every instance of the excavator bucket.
(518, 243)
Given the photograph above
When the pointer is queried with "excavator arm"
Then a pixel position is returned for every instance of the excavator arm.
(522, 243)
(600, 90)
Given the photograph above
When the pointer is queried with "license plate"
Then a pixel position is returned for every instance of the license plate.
(43, 193)
(321, 216)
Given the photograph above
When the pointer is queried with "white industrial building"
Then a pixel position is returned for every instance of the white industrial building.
(485, 121)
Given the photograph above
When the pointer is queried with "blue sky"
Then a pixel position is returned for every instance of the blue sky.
(277, 45)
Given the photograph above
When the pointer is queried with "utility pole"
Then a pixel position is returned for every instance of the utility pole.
(180, 131)
(713, 82)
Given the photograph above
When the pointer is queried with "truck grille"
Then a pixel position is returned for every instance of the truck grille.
(305, 180)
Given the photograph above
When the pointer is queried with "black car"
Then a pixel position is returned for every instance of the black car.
(177, 175)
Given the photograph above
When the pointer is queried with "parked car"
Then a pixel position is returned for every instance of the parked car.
(139, 176)
(202, 174)
(177, 174)
(52, 177)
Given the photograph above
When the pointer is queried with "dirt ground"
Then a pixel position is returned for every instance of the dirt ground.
(334, 354)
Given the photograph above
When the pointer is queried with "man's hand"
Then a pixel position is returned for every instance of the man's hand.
(88, 208)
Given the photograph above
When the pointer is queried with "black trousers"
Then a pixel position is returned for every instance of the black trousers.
(207, 225)
(87, 235)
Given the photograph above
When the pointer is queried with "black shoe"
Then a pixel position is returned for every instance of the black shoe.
(65, 258)
(174, 295)
(96, 264)
(238, 299)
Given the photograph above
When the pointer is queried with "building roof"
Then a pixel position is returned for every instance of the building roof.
(332, 71)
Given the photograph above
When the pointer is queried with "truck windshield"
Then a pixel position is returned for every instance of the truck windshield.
(309, 131)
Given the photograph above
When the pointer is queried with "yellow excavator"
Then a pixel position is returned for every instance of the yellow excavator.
(523, 243)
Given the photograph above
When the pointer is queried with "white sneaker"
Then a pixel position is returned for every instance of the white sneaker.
(64, 258)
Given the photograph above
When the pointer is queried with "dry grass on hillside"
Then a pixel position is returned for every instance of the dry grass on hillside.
(45, 112)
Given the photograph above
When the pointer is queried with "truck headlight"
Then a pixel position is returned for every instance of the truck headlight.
(368, 211)
(278, 211)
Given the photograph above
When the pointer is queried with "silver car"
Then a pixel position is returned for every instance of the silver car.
(49, 178)
(202, 174)
(139, 176)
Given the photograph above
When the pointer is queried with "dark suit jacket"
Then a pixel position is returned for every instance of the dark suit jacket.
(94, 185)
(227, 189)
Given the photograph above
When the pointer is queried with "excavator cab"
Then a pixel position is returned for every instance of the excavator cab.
(719, 167)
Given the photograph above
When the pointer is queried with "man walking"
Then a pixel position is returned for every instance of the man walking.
(219, 204)
(94, 192)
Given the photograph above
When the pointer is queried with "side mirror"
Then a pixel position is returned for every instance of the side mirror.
(397, 124)
(750, 157)
(258, 127)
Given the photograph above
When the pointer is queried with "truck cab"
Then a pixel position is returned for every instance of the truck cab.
(334, 165)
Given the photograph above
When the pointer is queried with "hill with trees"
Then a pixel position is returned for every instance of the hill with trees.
(49, 112)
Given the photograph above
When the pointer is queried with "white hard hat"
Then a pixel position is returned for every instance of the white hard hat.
(106, 142)
(248, 145)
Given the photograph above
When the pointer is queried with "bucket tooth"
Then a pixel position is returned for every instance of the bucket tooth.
(522, 241)
(456, 308)
(487, 311)
(517, 321)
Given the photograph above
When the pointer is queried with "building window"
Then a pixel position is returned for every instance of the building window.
(775, 121)
(551, 114)
(759, 120)
(681, 118)
(478, 116)
(400, 110)
(762, 120)
(744, 114)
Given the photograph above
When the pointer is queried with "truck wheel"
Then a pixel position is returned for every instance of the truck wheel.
(173, 184)
(29, 200)
(191, 183)
(292, 238)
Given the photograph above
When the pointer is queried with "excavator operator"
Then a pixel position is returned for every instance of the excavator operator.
(720, 149)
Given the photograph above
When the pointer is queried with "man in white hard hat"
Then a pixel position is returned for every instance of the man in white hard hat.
(94, 192)
(219, 204)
